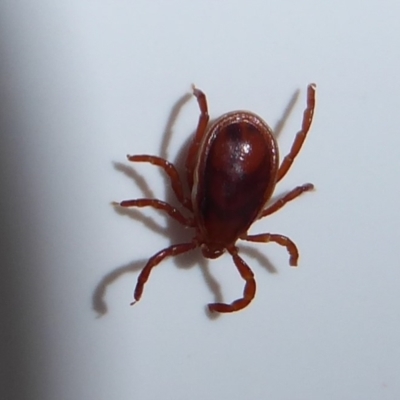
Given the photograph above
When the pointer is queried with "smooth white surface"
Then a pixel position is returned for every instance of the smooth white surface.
(85, 82)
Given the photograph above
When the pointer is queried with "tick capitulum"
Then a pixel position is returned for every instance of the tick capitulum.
(232, 167)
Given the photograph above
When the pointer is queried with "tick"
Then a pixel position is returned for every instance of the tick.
(232, 168)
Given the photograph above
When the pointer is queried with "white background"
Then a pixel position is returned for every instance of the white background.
(83, 83)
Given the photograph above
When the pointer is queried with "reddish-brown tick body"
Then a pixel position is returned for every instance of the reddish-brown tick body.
(232, 168)
(234, 178)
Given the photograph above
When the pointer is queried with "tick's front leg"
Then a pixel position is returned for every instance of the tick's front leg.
(280, 239)
(249, 288)
(155, 260)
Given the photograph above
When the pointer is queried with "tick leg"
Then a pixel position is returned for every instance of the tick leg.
(280, 239)
(171, 171)
(200, 131)
(249, 288)
(155, 260)
(159, 205)
(296, 192)
(301, 135)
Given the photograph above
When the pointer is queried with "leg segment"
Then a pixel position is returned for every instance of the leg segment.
(159, 205)
(201, 130)
(249, 288)
(155, 260)
(296, 192)
(280, 239)
(301, 135)
(171, 171)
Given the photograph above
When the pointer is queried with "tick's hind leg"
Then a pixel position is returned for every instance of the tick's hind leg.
(249, 288)
(301, 135)
(171, 171)
(158, 205)
(200, 131)
(294, 193)
(280, 239)
(155, 260)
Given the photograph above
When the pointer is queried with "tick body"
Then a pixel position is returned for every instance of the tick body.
(232, 168)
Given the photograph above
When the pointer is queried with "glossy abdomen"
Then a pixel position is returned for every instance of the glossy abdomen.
(235, 176)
